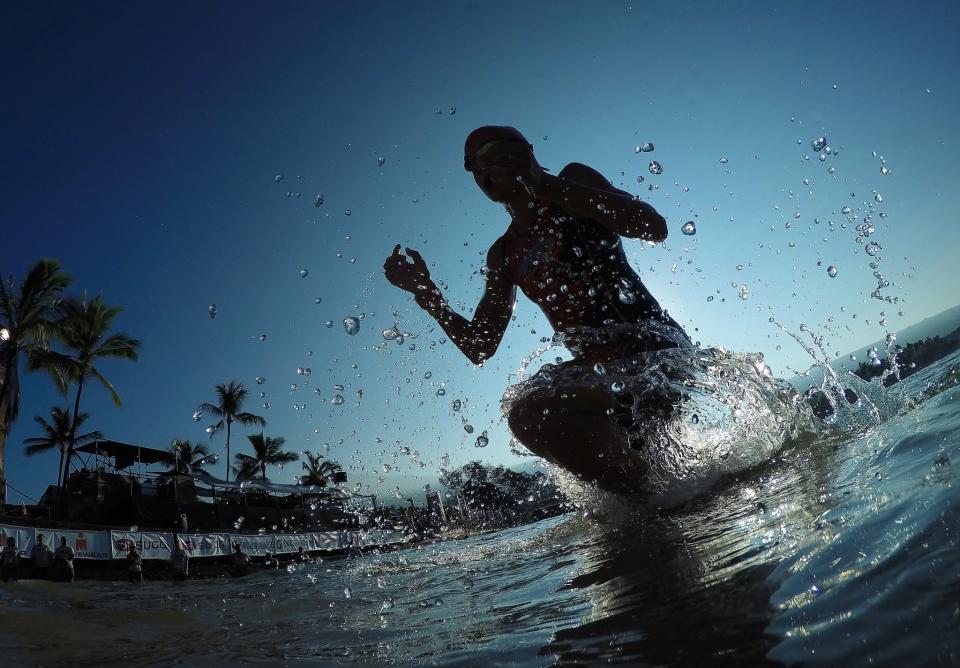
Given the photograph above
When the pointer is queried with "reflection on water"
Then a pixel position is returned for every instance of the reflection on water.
(838, 552)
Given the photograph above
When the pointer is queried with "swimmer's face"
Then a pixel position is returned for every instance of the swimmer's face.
(497, 165)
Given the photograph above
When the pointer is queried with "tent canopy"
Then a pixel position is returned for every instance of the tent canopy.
(124, 454)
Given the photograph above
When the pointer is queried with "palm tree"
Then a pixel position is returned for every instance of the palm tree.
(318, 471)
(189, 458)
(84, 331)
(266, 450)
(57, 435)
(247, 467)
(230, 398)
(27, 314)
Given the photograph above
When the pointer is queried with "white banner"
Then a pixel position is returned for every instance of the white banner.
(149, 545)
(205, 544)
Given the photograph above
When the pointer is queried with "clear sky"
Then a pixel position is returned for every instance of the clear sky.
(141, 145)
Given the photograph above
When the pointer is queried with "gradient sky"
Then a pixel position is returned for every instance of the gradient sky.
(141, 144)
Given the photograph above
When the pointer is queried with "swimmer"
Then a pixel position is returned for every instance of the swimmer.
(563, 250)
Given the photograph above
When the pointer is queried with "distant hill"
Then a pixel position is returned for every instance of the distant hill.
(936, 325)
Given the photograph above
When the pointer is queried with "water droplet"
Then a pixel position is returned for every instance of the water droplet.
(390, 334)
(655, 167)
(441, 392)
(879, 476)
(262, 338)
(318, 200)
(832, 271)
(646, 148)
(278, 178)
(304, 273)
(212, 310)
(328, 324)
(457, 404)
(884, 171)
(689, 228)
(846, 210)
(599, 369)
(743, 292)
(640, 179)
(872, 248)
(380, 161)
(818, 144)
(616, 386)
(351, 325)
(627, 296)
(878, 198)
(260, 380)
(197, 416)
(468, 428)
(482, 441)
(723, 161)
(346, 592)
(387, 604)
(337, 400)
(317, 300)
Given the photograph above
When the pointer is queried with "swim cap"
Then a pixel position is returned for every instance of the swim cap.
(489, 133)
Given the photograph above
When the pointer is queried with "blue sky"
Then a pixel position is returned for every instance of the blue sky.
(142, 145)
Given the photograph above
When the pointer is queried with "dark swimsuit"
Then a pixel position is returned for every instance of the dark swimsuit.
(618, 296)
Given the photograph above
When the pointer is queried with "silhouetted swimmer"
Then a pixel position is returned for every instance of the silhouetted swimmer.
(562, 249)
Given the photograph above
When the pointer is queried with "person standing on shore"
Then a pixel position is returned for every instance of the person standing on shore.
(63, 560)
(239, 562)
(134, 564)
(179, 562)
(10, 561)
(40, 558)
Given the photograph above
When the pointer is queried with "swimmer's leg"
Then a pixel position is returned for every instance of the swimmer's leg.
(576, 431)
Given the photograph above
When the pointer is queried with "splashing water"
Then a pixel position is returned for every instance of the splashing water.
(725, 411)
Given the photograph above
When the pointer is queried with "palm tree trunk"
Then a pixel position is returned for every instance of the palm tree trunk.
(60, 468)
(73, 435)
(227, 478)
(8, 359)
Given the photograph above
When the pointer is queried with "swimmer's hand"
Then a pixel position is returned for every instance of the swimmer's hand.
(413, 276)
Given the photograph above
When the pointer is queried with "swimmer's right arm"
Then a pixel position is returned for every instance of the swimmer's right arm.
(479, 337)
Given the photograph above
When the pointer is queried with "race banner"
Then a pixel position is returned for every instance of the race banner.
(85, 544)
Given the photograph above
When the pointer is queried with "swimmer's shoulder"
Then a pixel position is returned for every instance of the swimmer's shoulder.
(588, 176)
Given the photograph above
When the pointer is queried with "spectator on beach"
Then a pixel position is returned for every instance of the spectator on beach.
(10, 561)
(179, 562)
(40, 558)
(239, 562)
(270, 561)
(134, 564)
(63, 558)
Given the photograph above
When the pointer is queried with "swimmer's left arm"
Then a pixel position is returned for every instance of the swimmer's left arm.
(585, 192)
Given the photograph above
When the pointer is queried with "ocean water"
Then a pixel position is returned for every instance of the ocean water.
(838, 552)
